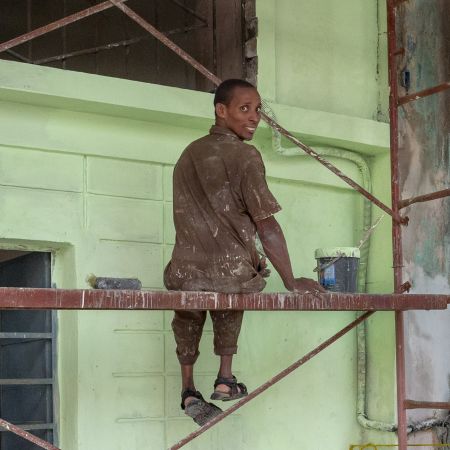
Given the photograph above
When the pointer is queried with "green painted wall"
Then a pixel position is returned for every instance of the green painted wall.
(85, 171)
(323, 54)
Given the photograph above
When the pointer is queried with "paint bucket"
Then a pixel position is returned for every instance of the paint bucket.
(337, 268)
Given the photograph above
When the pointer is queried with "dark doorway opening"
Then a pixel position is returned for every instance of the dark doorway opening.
(27, 354)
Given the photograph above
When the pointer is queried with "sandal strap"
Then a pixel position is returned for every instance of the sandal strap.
(230, 382)
(190, 393)
(233, 384)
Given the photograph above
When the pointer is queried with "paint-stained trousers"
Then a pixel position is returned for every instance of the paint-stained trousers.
(188, 327)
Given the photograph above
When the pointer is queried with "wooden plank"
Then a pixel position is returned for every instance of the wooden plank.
(98, 299)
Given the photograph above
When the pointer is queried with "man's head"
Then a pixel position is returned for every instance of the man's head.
(237, 105)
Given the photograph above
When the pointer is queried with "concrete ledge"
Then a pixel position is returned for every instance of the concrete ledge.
(76, 91)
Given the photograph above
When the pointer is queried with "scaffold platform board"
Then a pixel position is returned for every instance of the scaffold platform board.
(99, 299)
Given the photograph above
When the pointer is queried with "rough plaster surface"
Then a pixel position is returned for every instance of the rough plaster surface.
(424, 168)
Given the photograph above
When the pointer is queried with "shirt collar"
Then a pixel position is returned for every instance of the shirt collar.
(216, 129)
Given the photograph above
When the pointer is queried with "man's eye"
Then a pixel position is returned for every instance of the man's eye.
(258, 109)
(244, 108)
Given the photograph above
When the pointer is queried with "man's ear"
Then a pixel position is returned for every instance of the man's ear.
(221, 110)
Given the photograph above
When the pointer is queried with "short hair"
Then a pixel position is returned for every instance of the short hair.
(224, 91)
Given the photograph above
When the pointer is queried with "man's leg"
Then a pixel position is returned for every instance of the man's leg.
(187, 328)
(227, 326)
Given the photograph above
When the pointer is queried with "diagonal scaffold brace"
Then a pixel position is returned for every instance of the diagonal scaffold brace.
(27, 436)
(271, 122)
(272, 381)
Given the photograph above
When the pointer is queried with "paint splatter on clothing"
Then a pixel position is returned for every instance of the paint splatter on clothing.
(219, 193)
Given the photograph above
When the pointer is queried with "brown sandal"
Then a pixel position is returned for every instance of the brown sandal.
(237, 390)
(200, 411)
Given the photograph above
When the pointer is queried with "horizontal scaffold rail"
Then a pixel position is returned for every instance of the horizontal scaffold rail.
(96, 299)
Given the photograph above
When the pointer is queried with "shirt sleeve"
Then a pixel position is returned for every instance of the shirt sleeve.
(258, 199)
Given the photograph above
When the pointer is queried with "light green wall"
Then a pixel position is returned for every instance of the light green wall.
(85, 171)
(323, 54)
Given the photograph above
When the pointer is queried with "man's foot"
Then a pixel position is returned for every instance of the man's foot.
(195, 406)
(227, 389)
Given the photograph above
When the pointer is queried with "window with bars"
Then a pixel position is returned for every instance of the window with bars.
(27, 355)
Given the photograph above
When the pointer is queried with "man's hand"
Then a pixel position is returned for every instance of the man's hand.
(274, 244)
(305, 285)
(263, 270)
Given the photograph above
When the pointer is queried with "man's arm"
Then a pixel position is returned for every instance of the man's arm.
(274, 244)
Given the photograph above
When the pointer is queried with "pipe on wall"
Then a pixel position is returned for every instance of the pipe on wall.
(361, 331)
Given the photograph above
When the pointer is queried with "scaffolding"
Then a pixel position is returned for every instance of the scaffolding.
(59, 299)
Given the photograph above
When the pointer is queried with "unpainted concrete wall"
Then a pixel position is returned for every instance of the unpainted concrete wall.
(424, 168)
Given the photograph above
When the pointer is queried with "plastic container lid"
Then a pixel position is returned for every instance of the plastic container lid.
(334, 252)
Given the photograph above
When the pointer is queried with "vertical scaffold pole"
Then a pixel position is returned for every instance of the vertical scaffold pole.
(396, 227)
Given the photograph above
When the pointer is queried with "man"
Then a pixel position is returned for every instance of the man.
(220, 201)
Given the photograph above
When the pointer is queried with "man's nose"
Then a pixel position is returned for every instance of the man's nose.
(255, 117)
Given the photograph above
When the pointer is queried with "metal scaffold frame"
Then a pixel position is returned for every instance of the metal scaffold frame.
(15, 298)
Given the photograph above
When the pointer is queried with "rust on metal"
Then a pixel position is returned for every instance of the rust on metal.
(57, 24)
(424, 198)
(334, 169)
(273, 380)
(393, 113)
(414, 404)
(396, 228)
(405, 287)
(98, 299)
(28, 436)
(424, 93)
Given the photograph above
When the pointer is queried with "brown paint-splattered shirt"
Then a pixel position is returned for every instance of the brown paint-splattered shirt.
(219, 192)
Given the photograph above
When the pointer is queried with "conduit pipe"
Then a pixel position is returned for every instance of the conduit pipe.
(361, 330)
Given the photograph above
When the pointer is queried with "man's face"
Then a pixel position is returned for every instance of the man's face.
(242, 114)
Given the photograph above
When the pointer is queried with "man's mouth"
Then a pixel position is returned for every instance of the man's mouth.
(251, 129)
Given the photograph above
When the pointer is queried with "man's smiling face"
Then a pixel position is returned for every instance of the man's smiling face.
(242, 114)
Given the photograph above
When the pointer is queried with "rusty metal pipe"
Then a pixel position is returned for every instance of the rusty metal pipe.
(414, 404)
(272, 381)
(28, 436)
(424, 93)
(56, 25)
(424, 198)
(333, 168)
(396, 229)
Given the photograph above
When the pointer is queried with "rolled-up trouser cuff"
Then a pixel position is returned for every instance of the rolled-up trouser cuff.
(187, 360)
(187, 327)
(222, 351)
